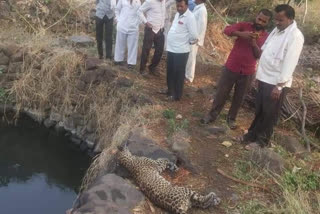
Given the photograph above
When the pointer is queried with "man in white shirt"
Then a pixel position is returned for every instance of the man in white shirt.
(127, 31)
(152, 13)
(104, 21)
(201, 16)
(280, 55)
(182, 34)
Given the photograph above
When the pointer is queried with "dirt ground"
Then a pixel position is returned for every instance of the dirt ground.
(207, 154)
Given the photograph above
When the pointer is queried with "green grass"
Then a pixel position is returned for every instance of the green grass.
(173, 124)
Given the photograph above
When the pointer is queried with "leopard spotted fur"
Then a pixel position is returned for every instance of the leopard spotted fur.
(146, 173)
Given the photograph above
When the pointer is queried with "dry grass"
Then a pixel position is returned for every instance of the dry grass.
(53, 88)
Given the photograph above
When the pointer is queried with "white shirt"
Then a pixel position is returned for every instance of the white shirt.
(201, 16)
(182, 32)
(127, 17)
(273, 70)
(105, 8)
(155, 10)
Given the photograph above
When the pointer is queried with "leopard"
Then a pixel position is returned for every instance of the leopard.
(146, 173)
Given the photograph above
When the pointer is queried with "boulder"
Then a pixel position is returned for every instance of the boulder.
(268, 159)
(98, 75)
(15, 67)
(292, 144)
(81, 41)
(109, 194)
(124, 82)
(92, 63)
(4, 60)
(180, 141)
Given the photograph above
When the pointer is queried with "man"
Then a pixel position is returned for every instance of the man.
(182, 34)
(127, 32)
(280, 56)
(104, 20)
(155, 11)
(240, 66)
(201, 16)
(191, 5)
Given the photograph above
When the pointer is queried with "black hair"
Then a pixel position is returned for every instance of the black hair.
(289, 11)
(266, 12)
(186, 1)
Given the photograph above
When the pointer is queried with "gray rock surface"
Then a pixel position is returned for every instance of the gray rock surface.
(268, 159)
(291, 144)
(82, 41)
(109, 194)
(4, 60)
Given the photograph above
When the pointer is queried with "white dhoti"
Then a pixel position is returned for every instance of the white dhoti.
(124, 41)
(191, 64)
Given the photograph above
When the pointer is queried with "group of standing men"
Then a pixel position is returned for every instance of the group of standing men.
(181, 40)
(278, 54)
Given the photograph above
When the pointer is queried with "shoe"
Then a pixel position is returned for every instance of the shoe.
(154, 72)
(207, 119)
(118, 63)
(232, 124)
(131, 67)
(171, 99)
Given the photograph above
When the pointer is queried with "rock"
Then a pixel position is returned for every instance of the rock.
(215, 130)
(15, 67)
(226, 143)
(55, 117)
(3, 69)
(75, 140)
(5, 10)
(291, 144)
(49, 123)
(179, 117)
(59, 128)
(34, 115)
(4, 60)
(83, 146)
(99, 75)
(124, 82)
(10, 49)
(73, 121)
(92, 63)
(109, 194)
(90, 144)
(90, 140)
(81, 86)
(268, 159)
(141, 145)
(91, 126)
(309, 69)
(141, 99)
(81, 41)
(18, 56)
(180, 141)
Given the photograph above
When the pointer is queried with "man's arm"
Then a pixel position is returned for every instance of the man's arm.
(290, 62)
(118, 10)
(142, 10)
(256, 49)
(291, 59)
(192, 28)
(202, 24)
(236, 30)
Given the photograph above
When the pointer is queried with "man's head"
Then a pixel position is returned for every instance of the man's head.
(182, 6)
(262, 19)
(199, 1)
(284, 16)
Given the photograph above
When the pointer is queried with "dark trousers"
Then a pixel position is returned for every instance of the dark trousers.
(151, 38)
(176, 70)
(266, 115)
(227, 80)
(106, 25)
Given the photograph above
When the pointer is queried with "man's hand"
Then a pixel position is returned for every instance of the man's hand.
(148, 25)
(275, 93)
(253, 42)
(244, 34)
(194, 42)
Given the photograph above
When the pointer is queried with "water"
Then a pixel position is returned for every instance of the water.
(40, 172)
